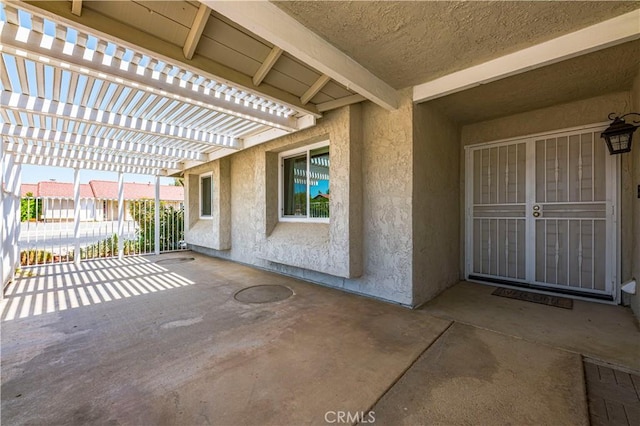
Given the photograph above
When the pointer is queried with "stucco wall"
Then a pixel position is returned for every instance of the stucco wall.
(215, 231)
(573, 114)
(319, 247)
(387, 153)
(366, 247)
(436, 190)
(634, 200)
(197, 231)
(583, 112)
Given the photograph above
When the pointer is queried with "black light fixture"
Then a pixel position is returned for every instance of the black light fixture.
(618, 135)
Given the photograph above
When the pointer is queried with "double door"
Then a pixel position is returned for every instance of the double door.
(541, 212)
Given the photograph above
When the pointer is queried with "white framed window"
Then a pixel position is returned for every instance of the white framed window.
(304, 190)
(206, 196)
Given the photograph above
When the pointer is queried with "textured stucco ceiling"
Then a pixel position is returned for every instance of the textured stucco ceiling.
(408, 43)
(595, 74)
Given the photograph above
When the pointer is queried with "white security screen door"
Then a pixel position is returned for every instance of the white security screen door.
(541, 213)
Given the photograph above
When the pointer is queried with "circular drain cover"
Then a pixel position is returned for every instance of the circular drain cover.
(173, 260)
(263, 294)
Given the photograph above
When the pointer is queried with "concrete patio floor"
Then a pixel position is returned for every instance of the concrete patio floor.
(137, 342)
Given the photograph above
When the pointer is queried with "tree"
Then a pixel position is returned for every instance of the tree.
(178, 181)
(30, 207)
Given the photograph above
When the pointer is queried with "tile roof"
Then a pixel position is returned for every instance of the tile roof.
(61, 189)
(27, 188)
(135, 191)
(102, 189)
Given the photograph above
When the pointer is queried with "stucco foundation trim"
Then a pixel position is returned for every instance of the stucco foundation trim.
(304, 245)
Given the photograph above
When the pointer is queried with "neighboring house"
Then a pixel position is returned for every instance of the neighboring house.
(106, 195)
(98, 199)
(57, 200)
(319, 206)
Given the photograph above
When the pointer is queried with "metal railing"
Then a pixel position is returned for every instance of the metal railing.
(47, 229)
(320, 209)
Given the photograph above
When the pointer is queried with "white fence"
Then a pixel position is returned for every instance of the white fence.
(319, 209)
(48, 234)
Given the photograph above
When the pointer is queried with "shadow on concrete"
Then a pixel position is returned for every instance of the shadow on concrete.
(58, 287)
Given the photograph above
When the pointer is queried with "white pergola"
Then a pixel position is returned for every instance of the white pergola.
(76, 99)
(73, 97)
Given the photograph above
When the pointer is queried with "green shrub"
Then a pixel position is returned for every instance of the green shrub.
(30, 208)
(171, 225)
(39, 257)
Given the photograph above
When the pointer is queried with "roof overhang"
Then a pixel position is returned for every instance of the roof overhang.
(602, 35)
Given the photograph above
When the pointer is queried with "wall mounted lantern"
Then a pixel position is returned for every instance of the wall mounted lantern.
(618, 135)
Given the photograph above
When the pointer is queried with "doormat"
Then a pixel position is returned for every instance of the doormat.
(544, 299)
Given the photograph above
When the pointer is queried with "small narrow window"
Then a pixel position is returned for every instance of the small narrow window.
(304, 184)
(206, 190)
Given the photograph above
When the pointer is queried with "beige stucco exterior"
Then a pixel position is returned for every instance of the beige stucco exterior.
(436, 203)
(391, 236)
(562, 116)
(397, 229)
(214, 232)
(366, 248)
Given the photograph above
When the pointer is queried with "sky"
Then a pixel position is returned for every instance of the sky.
(35, 174)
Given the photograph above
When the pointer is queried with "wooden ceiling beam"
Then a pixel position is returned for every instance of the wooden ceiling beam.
(268, 21)
(314, 89)
(130, 77)
(76, 7)
(84, 164)
(78, 154)
(340, 102)
(199, 22)
(266, 66)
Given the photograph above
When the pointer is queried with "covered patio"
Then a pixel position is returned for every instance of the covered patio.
(162, 340)
(448, 142)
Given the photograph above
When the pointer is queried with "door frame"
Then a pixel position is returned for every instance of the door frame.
(613, 244)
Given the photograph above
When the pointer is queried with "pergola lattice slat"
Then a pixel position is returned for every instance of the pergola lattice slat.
(131, 78)
(93, 142)
(74, 99)
(39, 160)
(111, 120)
(23, 147)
